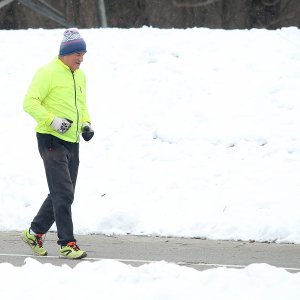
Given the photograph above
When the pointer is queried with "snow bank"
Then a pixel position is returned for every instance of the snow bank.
(196, 133)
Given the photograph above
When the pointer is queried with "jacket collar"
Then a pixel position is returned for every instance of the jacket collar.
(58, 61)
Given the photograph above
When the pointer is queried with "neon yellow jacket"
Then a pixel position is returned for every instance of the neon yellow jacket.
(56, 91)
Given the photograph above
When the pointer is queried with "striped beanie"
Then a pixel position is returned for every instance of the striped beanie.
(72, 42)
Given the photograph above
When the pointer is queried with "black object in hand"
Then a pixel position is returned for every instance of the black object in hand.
(87, 133)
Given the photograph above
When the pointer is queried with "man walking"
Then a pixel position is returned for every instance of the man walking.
(56, 99)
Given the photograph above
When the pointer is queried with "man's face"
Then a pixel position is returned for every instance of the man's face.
(73, 61)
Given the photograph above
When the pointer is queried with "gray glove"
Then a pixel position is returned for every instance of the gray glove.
(61, 125)
(87, 131)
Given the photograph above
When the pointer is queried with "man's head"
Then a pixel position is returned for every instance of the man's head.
(72, 49)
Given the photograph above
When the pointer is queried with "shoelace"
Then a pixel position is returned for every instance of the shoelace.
(39, 239)
(73, 246)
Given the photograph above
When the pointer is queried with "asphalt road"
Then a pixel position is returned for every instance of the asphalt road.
(136, 250)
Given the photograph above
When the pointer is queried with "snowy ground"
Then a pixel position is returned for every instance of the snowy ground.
(196, 135)
(160, 281)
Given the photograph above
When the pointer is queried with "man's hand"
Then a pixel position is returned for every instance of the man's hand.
(87, 131)
(61, 125)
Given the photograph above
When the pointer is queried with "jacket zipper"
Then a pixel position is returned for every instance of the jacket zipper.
(77, 135)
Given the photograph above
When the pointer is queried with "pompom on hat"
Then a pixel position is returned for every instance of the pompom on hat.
(72, 42)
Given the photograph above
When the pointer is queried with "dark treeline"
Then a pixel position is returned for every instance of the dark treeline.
(226, 14)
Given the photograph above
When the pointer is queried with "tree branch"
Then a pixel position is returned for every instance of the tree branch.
(196, 4)
(270, 2)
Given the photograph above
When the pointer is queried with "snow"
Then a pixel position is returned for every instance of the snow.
(196, 135)
(113, 280)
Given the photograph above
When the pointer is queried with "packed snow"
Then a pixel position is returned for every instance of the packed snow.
(196, 135)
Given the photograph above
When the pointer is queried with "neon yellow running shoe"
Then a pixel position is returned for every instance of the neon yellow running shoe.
(35, 241)
(71, 251)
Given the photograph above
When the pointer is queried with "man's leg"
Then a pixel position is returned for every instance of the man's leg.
(56, 154)
(44, 219)
(71, 249)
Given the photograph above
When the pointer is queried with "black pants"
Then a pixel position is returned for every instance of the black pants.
(61, 161)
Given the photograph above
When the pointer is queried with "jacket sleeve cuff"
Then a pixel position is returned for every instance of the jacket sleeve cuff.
(50, 119)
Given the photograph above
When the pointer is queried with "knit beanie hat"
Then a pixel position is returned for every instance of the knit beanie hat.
(72, 42)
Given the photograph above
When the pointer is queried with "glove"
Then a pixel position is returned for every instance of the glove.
(87, 131)
(61, 125)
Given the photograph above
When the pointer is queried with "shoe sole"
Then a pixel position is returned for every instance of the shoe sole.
(69, 257)
(29, 245)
